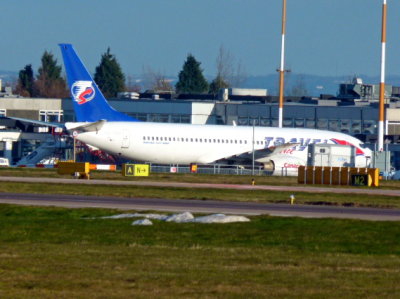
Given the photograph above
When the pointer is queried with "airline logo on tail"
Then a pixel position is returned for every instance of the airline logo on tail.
(82, 91)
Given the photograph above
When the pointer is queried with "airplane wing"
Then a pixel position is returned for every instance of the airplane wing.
(260, 155)
(37, 122)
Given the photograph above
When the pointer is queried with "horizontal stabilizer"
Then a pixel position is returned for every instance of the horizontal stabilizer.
(87, 127)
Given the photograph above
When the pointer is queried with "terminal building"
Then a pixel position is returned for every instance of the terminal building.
(356, 115)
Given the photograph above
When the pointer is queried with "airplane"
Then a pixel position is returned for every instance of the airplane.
(101, 126)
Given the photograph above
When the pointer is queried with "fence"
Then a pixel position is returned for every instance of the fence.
(210, 169)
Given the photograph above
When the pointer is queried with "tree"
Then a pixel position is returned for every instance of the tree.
(156, 81)
(299, 89)
(217, 84)
(132, 85)
(49, 83)
(227, 74)
(109, 76)
(25, 84)
(191, 79)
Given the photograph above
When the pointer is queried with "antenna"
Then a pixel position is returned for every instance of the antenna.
(382, 83)
(282, 68)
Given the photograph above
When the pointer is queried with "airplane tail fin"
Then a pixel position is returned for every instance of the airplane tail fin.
(89, 103)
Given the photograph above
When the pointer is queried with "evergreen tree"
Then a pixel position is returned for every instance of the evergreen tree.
(191, 79)
(25, 81)
(50, 83)
(109, 76)
(217, 84)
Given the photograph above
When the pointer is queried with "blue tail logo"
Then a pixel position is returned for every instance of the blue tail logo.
(89, 103)
(82, 92)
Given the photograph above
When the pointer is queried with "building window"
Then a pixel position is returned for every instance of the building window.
(51, 115)
(3, 112)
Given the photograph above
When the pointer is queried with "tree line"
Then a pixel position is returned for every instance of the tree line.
(51, 83)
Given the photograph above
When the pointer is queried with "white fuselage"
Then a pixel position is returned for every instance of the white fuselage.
(185, 143)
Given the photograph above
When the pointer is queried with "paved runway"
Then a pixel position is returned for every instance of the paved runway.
(201, 206)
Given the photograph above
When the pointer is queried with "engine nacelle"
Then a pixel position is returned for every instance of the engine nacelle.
(285, 166)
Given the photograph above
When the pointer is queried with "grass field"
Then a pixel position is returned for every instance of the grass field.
(187, 193)
(54, 252)
(176, 177)
(206, 194)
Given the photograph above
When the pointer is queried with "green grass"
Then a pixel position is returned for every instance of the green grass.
(55, 252)
(206, 194)
(176, 177)
(187, 193)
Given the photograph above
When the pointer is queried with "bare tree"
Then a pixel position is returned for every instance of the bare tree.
(227, 73)
(156, 81)
(299, 89)
(132, 84)
(225, 64)
(239, 76)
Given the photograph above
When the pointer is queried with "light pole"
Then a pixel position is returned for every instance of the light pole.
(282, 67)
(382, 83)
(252, 169)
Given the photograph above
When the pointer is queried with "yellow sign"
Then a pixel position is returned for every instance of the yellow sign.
(135, 170)
(193, 168)
(361, 180)
(82, 168)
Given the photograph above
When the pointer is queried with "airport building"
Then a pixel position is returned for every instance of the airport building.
(354, 116)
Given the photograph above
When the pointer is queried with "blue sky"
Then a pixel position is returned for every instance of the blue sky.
(324, 37)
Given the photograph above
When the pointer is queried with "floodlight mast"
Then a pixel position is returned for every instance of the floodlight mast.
(381, 125)
(282, 67)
